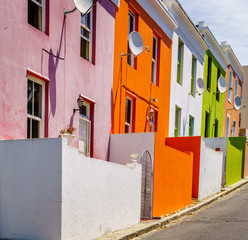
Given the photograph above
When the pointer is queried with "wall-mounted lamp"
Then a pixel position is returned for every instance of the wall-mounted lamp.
(80, 102)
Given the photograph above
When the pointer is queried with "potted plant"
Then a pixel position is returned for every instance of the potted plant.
(68, 133)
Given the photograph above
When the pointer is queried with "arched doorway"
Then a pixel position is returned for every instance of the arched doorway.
(147, 184)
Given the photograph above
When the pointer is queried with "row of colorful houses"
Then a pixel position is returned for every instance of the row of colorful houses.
(78, 70)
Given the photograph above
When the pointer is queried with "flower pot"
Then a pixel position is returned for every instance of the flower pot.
(69, 137)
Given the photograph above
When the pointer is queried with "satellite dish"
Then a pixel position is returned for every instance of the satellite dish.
(222, 84)
(83, 5)
(237, 103)
(200, 86)
(135, 42)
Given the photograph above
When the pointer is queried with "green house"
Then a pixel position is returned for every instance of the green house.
(215, 66)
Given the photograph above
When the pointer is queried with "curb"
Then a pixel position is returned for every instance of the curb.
(145, 227)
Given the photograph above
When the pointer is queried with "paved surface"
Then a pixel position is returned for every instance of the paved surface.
(226, 219)
(148, 226)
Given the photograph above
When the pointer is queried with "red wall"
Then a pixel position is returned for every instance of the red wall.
(191, 144)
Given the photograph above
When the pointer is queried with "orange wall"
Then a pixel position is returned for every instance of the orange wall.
(137, 82)
(234, 115)
(191, 144)
(172, 178)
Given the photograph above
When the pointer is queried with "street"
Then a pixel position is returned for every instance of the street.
(225, 219)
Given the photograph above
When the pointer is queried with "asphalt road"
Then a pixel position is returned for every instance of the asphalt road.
(226, 219)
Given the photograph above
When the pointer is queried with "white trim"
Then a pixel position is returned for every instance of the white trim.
(41, 120)
(130, 125)
(43, 13)
(155, 60)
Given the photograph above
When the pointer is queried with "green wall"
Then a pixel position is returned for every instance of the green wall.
(235, 159)
(209, 103)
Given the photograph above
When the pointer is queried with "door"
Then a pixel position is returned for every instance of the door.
(146, 187)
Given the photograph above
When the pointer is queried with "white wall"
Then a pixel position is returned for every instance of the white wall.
(122, 145)
(180, 93)
(210, 171)
(98, 197)
(220, 143)
(30, 189)
(48, 191)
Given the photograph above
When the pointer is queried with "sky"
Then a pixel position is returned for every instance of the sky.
(226, 19)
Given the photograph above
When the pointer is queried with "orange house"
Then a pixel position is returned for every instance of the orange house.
(136, 88)
(234, 80)
(141, 101)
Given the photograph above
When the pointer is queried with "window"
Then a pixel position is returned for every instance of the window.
(36, 14)
(191, 125)
(131, 28)
(236, 87)
(35, 108)
(86, 36)
(209, 73)
(193, 75)
(230, 86)
(154, 59)
(216, 128)
(217, 92)
(234, 129)
(207, 124)
(129, 115)
(153, 120)
(85, 130)
(180, 61)
(227, 126)
(177, 121)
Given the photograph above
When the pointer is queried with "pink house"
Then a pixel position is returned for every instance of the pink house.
(47, 61)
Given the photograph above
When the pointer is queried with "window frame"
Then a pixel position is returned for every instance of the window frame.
(191, 125)
(216, 128)
(180, 54)
(229, 96)
(87, 119)
(43, 6)
(236, 87)
(42, 108)
(234, 126)
(207, 125)
(131, 58)
(228, 118)
(129, 125)
(153, 120)
(178, 113)
(90, 38)
(193, 75)
(155, 60)
(209, 73)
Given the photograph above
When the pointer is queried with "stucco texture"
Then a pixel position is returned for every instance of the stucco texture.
(209, 103)
(235, 159)
(172, 178)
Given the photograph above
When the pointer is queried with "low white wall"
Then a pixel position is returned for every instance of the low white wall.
(220, 143)
(48, 191)
(122, 145)
(98, 196)
(210, 171)
(30, 189)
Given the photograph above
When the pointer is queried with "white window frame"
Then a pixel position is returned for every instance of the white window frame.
(234, 128)
(127, 124)
(152, 120)
(131, 56)
(228, 118)
(90, 33)
(236, 87)
(85, 140)
(154, 59)
(41, 119)
(43, 14)
(229, 97)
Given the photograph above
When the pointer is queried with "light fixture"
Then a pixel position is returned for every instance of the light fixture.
(80, 103)
(153, 99)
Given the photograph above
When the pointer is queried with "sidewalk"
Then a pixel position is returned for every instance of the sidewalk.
(147, 226)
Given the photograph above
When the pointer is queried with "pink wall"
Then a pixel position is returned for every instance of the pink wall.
(21, 49)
